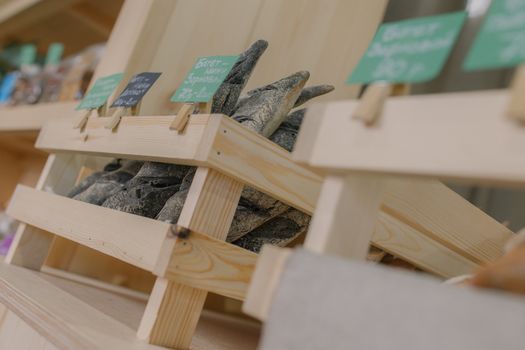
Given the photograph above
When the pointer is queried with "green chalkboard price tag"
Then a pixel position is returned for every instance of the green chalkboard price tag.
(54, 54)
(27, 54)
(97, 96)
(204, 79)
(409, 51)
(501, 39)
(137, 87)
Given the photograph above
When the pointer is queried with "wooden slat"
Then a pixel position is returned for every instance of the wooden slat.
(144, 137)
(439, 213)
(202, 262)
(76, 316)
(31, 244)
(65, 321)
(398, 238)
(265, 280)
(464, 136)
(345, 216)
(130, 238)
(33, 117)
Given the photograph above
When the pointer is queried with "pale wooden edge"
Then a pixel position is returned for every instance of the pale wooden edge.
(210, 264)
(265, 280)
(33, 117)
(130, 238)
(76, 316)
(126, 292)
(346, 214)
(308, 133)
(323, 152)
(137, 137)
(30, 245)
(61, 318)
(372, 102)
(270, 168)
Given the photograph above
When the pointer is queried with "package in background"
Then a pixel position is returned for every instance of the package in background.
(79, 75)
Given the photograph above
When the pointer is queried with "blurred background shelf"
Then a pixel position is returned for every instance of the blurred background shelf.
(43, 21)
(77, 24)
(31, 118)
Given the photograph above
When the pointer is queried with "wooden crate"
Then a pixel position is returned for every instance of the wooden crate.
(386, 180)
(165, 36)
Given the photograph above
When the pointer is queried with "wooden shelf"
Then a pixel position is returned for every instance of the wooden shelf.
(455, 136)
(209, 140)
(198, 261)
(71, 315)
(42, 21)
(33, 117)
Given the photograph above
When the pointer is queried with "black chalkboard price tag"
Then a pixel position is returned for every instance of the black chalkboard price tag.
(137, 87)
(130, 98)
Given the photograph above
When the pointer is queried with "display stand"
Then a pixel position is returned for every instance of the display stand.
(107, 246)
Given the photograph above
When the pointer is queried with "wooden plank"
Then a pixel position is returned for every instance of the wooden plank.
(254, 160)
(265, 280)
(326, 38)
(196, 28)
(459, 136)
(75, 316)
(437, 212)
(346, 213)
(33, 117)
(139, 25)
(209, 208)
(16, 334)
(399, 239)
(62, 319)
(31, 245)
(130, 238)
(202, 262)
(137, 137)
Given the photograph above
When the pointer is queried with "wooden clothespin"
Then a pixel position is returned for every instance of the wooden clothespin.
(80, 123)
(121, 112)
(371, 103)
(187, 109)
(516, 107)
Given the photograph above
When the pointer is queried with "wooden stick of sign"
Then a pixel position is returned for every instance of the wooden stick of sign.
(187, 109)
(516, 107)
(121, 112)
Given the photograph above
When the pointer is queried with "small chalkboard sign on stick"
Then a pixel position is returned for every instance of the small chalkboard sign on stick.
(96, 98)
(500, 43)
(129, 100)
(409, 51)
(199, 87)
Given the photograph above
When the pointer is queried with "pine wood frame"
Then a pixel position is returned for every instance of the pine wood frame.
(143, 26)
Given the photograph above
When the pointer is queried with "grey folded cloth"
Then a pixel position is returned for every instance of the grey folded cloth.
(331, 303)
